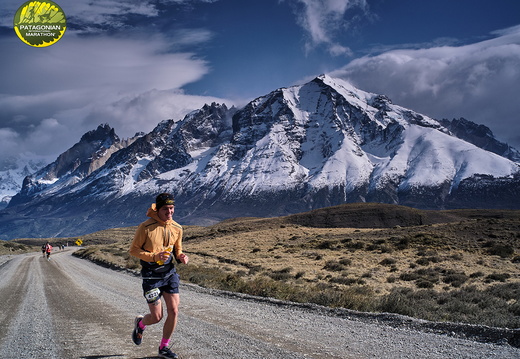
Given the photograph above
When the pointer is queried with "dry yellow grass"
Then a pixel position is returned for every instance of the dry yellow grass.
(437, 265)
(372, 257)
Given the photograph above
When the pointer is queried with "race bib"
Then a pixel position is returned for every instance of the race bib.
(152, 295)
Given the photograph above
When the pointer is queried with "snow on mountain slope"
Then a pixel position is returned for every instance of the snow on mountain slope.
(328, 143)
(328, 135)
(429, 157)
(308, 146)
(322, 134)
(12, 174)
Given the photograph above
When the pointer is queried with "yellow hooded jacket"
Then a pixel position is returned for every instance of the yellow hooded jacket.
(154, 235)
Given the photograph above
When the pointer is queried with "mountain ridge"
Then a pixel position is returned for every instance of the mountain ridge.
(295, 149)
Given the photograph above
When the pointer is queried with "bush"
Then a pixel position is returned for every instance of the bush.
(476, 274)
(423, 283)
(504, 251)
(299, 275)
(423, 261)
(400, 243)
(470, 305)
(326, 244)
(254, 269)
(410, 276)
(133, 263)
(455, 279)
(499, 277)
(345, 261)
(282, 274)
(391, 279)
(388, 262)
(345, 280)
(399, 302)
(15, 246)
(334, 266)
(422, 276)
(355, 245)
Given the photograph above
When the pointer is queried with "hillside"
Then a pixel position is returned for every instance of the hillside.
(457, 265)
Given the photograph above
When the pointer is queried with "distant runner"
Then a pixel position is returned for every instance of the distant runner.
(157, 242)
(48, 249)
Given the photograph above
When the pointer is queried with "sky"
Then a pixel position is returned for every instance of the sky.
(134, 63)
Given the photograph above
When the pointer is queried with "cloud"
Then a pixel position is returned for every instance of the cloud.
(8, 143)
(113, 66)
(479, 81)
(322, 19)
(142, 112)
(94, 15)
(101, 62)
(50, 98)
(95, 12)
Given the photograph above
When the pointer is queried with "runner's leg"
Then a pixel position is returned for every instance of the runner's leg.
(172, 307)
(155, 315)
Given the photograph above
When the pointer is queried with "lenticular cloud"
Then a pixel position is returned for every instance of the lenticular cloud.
(477, 81)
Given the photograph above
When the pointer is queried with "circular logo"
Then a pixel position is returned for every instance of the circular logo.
(40, 23)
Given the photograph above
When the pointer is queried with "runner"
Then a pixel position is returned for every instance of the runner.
(157, 243)
(48, 249)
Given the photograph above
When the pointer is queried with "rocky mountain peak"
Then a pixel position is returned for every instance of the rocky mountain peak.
(295, 149)
(103, 133)
(481, 136)
(83, 158)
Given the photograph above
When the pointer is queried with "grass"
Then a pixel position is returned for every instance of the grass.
(461, 266)
(11, 247)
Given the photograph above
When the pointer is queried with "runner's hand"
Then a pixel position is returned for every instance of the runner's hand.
(184, 258)
(163, 256)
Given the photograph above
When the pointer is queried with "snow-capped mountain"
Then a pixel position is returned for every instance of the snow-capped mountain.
(308, 146)
(12, 173)
(90, 153)
(481, 136)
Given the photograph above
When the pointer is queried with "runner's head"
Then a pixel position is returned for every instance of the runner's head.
(164, 205)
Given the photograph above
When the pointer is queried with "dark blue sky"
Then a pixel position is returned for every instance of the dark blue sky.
(261, 47)
(134, 63)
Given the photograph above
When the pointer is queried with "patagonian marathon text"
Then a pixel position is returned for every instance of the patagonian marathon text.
(40, 27)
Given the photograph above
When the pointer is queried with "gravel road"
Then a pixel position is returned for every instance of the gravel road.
(71, 308)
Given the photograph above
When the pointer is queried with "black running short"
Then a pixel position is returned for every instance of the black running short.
(153, 288)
